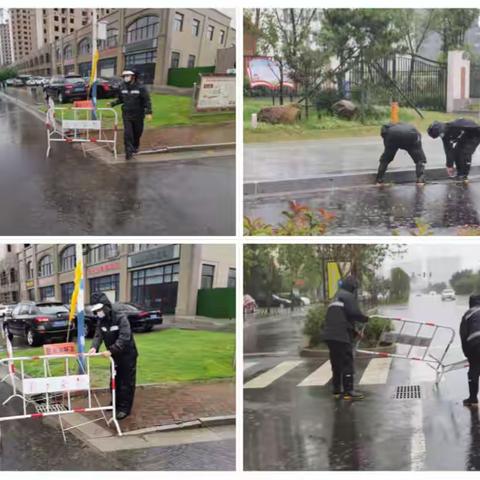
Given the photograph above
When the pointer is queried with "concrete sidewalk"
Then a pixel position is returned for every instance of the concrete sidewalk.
(199, 323)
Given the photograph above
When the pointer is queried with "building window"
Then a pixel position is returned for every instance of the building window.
(109, 283)
(208, 272)
(156, 287)
(68, 259)
(142, 29)
(210, 31)
(84, 46)
(47, 293)
(3, 278)
(175, 62)
(9, 248)
(45, 266)
(100, 253)
(67, 52)
(140, 247)
(31, 294)
(222, 37)
(13, 275)
(140, 58)
(191, 61)
(232, 276)
(67, 291)
(112, 38)
(195, 27)
(178, 22)
(29, 270)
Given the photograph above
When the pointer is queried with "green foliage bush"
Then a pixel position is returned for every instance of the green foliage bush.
(314, 324)
(374, 328)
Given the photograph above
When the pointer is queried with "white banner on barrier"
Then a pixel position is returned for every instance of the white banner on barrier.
(83, 124)
(67, 383)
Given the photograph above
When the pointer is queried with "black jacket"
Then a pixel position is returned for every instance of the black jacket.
(341, 316)
(470, 331)
(135, 100)
(401, 135)
(460, 130)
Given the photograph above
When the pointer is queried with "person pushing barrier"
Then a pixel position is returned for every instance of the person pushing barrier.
(113, 329)
(136, 105)
(402, 136)
(339, 333)
(460, 140)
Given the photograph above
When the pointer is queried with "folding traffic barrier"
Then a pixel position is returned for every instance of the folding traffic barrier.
(55, 390)
(86, 126)
(415, 341)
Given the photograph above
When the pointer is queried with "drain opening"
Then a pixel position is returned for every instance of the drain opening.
(407, 392)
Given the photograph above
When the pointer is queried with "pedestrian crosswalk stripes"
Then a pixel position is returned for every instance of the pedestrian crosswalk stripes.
(268, 377)
(247, 365)
(321, 376)
(376, 372)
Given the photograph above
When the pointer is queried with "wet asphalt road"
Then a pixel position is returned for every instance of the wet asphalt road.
(32, 445)
(289, 427)
(68, 194)
(445, 206)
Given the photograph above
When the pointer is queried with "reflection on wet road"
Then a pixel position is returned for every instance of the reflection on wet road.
(69, 194)
(291, 421)
(445, 207)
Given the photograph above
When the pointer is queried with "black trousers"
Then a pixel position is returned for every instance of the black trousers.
(132, 131)
(341, 358)
(473, 373)
(463, 152)
(415, 151)
(126, 368)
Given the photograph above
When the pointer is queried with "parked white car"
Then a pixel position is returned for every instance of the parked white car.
(448, 294)
(306, 301)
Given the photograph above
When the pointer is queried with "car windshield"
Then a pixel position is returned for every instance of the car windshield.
(125, 307)
(49, 309)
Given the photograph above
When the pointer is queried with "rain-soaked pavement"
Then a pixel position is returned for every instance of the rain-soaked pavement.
(68, 194)
(447, 207)
(292, 427)
(34, 445)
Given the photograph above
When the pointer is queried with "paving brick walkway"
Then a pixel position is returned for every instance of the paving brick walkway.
(160, 405)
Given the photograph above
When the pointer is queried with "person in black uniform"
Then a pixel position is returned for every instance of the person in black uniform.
(136, 105)
(113, 329)
(470, 338)
(402, 136)
(460, 140)
(339, 333)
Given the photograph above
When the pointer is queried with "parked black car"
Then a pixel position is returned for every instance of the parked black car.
(141, 318)
(107, 87)
(38, 322)
(66, 89)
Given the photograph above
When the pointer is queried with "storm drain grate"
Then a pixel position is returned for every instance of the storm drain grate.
(55, 407)
(407, 392)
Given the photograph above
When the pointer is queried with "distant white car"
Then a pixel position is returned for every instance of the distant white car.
(305, 300)
(448, 294)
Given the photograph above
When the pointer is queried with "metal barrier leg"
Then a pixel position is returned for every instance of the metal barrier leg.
(62, 428)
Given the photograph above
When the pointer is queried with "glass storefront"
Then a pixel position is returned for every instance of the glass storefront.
(67, 291)
(156, 287)
(108, 284)
(47, 293)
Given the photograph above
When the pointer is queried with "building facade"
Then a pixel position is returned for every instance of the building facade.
(166, 276)
(6, 44)
(9, 275)
(151, 41)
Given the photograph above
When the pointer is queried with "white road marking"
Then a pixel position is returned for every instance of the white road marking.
(271, 375)
(376, 372)
(319, 377)
(247, 365)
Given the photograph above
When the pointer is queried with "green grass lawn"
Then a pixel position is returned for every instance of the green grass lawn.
(166, 356)
(168, 110)
(329, 126)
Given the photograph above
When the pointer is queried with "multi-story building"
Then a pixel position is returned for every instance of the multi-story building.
(22, 32)
(6, 44)
(150, 41)
(9, 278)
(167, 276)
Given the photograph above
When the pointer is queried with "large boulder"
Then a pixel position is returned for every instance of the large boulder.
(282, 114)
(345, 109)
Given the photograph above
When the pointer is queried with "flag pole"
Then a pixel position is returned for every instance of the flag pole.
(95, 54)
(80, 307)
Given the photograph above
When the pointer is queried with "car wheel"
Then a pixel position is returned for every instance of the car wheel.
(32, 340)
(147, 328)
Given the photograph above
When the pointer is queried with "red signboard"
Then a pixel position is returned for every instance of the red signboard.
(103, 268)
(265, 72)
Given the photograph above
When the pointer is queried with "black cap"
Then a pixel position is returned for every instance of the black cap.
(435, 129)
(350, 283)
(100, 297)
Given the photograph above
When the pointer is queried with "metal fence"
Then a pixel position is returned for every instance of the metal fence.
(404, 78)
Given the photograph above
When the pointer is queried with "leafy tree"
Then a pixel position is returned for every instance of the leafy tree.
(6, 73)
(437, 287)
(400, 285)
(464, 282)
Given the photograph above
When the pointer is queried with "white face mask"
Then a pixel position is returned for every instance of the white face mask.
(127, 78)
(101, 314)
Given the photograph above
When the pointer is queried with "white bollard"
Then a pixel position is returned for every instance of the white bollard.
(254, 120)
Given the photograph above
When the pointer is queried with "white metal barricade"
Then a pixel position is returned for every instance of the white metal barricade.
(423, 337)
(83, 128)
(50, 395)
